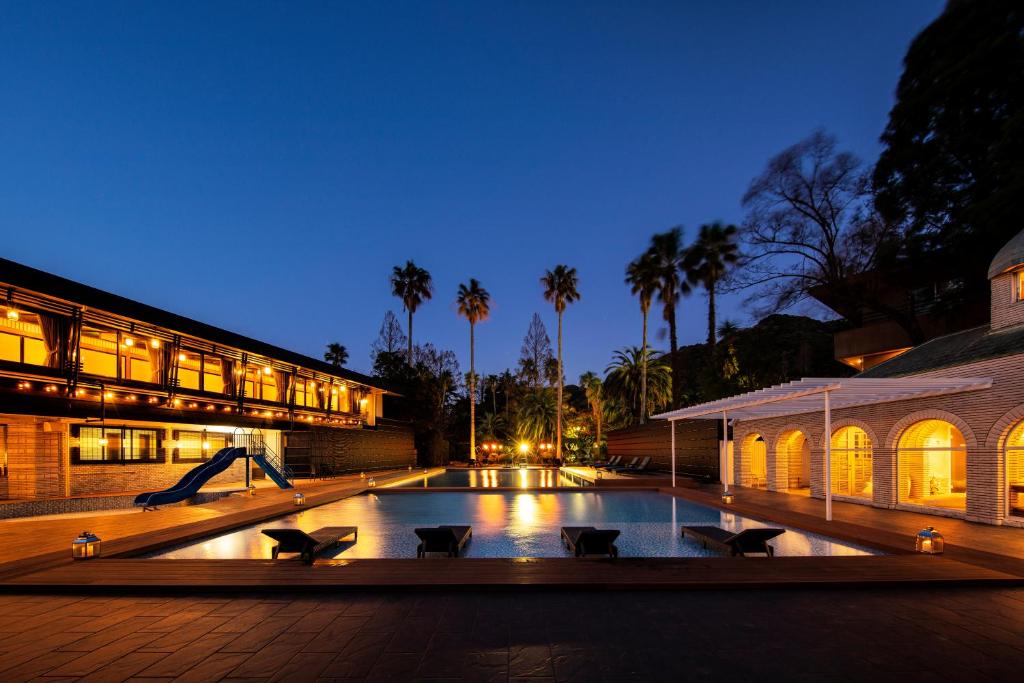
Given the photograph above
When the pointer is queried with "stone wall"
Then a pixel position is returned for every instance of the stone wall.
(697, 446)
(984, 417)
(36, 458)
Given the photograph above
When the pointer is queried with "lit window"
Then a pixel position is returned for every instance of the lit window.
(116, 444)
(851, 462)
(932, 460)
(22, 341)
(1019, 279)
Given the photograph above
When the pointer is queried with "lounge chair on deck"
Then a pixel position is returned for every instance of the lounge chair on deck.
(309, 545)
(615, 459)
(443, 539)
(743, 543)
(621, 468)
(637, 469)
(586, 540)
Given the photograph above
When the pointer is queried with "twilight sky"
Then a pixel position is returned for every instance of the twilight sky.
(261, 166)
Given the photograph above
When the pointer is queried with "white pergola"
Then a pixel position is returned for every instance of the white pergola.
(810, 395)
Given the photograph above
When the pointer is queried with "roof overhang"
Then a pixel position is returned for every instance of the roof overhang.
(806, 396)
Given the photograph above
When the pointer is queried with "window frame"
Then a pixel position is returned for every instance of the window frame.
(127, 437)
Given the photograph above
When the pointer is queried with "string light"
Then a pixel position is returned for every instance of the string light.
(155, 343)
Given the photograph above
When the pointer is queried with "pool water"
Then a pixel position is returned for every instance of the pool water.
(520, 478)
(507, 524)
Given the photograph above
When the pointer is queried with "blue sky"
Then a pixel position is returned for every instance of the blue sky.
(262, 166)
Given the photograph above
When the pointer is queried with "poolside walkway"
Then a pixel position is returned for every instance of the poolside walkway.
(801, 635)
(33, 544)
(996, 547)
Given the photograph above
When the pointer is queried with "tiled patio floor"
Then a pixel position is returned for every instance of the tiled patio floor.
(820, 635)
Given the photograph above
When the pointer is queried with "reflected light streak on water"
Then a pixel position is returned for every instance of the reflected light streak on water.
(507, 524)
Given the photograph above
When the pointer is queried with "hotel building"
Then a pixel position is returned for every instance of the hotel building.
(101, 395)
(938, 428)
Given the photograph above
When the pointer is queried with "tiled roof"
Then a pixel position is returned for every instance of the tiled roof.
(959, 348)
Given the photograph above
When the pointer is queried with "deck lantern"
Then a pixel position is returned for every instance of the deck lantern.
(362, 475)
(372, 482)
(728, 497)
(929, 541)
(299, 499)
(86, 546)
(252, 489)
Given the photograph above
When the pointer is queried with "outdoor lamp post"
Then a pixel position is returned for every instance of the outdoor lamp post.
(929, 541)
(299, 499)
(86, 546)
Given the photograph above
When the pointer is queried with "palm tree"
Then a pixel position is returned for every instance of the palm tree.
(474, 305)
(642, 277)
(622, 383)
(336, 354)
(560, 288)
(413, 285)
(706, 263)
(537, 415)
(593, 387)
(667, 254)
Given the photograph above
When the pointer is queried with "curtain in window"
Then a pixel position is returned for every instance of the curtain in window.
(227, 375)
(54, 329)
(281, 382)
(157, 363)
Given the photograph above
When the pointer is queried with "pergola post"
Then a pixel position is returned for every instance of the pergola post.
(672, 426)
(828, 458)
(724, 457)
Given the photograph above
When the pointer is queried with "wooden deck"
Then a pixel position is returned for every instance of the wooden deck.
(34, 544)
(490, 573)
(1000, 548)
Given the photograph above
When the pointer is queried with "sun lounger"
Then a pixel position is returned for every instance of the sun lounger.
(586, 540)
(631, 469)
(309, 545)
(443, 539)
(620, 468)
(615, 459)
(743, 543)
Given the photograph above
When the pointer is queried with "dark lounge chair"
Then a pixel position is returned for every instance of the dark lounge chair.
(611, 463)
(637, 469)
(586, 540)
(443, 539)
(309, 545)
(621, 468)
(743, 543)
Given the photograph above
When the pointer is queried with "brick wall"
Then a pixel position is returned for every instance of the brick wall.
(114, 478)
(697, 449)
(984, 417)
(389, 445)
(1006, 310)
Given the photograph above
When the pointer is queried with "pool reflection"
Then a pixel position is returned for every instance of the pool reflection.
(507, 524)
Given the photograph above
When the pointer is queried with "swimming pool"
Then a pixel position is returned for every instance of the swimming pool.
(507, 524)
(519, 478)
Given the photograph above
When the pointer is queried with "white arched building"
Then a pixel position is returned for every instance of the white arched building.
(938, 429)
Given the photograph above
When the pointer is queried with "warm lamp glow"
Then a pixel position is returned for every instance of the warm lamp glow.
(524, 447)
(266, 370)
(181, 357)
(129, 342)
(155, 343)
(12, 314)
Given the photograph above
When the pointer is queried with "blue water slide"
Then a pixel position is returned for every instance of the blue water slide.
(193, 480)
(276, 475)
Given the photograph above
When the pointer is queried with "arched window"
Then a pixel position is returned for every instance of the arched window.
(851, 462)
(1015, 470)
(755, 451)
(932, 457)
(794, 450)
